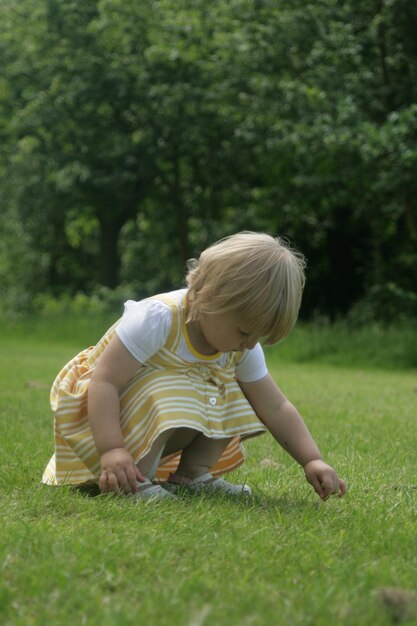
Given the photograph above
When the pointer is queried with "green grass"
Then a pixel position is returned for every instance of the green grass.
(282, 557)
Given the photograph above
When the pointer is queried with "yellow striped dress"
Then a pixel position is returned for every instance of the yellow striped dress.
(167, 393)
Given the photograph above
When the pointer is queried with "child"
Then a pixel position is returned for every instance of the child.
(173, 388)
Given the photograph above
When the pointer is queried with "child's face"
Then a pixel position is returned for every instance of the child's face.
(224, 332)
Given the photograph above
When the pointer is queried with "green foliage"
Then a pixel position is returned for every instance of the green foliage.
(350, 343)
(386, 303)
(134, 134)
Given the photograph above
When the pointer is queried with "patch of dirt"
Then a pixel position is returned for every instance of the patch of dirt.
(401, 604)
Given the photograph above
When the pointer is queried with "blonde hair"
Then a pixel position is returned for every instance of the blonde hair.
(253, 275)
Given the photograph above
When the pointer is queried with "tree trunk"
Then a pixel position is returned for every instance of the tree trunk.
(377, 261)
(109, 254)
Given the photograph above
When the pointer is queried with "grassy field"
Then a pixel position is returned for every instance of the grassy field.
(279, 558)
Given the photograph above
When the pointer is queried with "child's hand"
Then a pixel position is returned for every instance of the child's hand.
(118, 471)
(324, 479)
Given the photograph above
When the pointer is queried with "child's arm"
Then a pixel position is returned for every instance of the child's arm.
(114, 369)
(286, 425)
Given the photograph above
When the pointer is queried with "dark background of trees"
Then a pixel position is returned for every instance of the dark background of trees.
(133, 134)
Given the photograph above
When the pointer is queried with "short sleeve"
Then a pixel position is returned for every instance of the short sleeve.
(144, 327)
(252, 365)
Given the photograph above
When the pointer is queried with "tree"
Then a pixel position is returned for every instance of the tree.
(137, 133)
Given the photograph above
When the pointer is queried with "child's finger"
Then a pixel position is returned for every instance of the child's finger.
(131, 479)
(112, 482)
(316, 484)
(329, 487)
(139, 476)
(332, 486)
(102, 483)
(342, 488)
(123, 477)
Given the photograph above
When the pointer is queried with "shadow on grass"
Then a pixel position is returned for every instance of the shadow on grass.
(259, 501)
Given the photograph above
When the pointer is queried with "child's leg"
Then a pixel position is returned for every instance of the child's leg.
(197, 459)
(200, 455)
(168, 442)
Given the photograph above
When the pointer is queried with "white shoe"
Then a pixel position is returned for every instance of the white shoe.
(149, 491)
(207, 482)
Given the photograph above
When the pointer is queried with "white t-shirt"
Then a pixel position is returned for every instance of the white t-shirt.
(145, 326)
